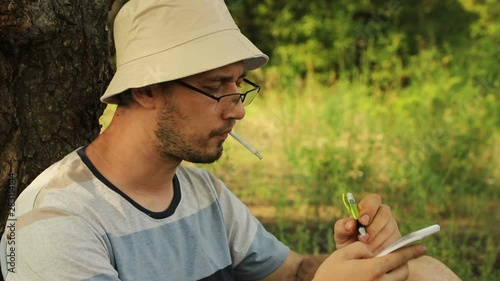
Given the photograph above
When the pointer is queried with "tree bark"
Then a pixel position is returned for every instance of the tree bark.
(54, 65)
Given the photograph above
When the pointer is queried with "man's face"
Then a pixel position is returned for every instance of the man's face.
(193, 127)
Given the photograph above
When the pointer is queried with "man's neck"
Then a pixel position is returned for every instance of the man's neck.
(131, 164)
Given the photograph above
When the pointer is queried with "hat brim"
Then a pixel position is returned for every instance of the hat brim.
(202, 54)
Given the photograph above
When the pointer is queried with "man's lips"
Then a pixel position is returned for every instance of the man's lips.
(224, 134)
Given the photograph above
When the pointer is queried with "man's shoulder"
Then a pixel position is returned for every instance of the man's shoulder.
(194, 176)
(60, 176)
(195, 173)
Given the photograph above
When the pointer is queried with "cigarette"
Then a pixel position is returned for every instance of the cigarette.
(246, 144)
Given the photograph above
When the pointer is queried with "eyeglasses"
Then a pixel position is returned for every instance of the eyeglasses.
(249, 89)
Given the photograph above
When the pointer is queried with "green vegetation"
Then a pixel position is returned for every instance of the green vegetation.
(399, 98)
(428, 149)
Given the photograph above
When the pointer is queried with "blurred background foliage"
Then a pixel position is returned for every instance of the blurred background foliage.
(395, 97)
(347, 38)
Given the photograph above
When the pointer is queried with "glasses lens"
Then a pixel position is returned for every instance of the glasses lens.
(251, 94)
(233, 99)
(229, 100)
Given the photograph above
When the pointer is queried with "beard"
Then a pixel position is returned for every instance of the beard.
(174, 142)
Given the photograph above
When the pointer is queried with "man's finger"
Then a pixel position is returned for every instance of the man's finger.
(356, 250)
(368, 207)
(345, 230)
(401, 257)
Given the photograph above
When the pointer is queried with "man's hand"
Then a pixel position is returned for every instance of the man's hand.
(377, 218)
(355, 262)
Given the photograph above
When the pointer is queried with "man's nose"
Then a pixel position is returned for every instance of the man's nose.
(235, 111)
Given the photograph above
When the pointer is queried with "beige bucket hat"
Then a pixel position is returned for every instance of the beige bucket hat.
(164, 40)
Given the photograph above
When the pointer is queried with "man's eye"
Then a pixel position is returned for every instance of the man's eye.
(212, 90)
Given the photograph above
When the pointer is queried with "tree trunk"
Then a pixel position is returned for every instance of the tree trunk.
(54, 65)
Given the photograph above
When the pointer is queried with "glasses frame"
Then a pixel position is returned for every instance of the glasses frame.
(242, 96)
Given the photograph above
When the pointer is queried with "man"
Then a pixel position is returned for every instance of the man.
(124, 208)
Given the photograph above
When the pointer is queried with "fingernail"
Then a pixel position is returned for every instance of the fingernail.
(350, 225)
(364, 220)
(363, 238)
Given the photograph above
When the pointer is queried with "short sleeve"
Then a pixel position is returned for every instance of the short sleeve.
(255, 252)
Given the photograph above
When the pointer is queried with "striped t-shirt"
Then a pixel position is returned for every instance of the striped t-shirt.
(73, 224)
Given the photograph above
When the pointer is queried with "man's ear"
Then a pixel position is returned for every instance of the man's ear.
(144, 97)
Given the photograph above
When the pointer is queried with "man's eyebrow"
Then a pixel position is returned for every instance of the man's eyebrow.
(224, 78)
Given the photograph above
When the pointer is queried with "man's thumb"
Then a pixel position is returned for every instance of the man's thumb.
(345, 232)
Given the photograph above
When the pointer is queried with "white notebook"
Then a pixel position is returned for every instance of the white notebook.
(410, 238)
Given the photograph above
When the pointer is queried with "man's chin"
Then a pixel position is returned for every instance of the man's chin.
(207, 158)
